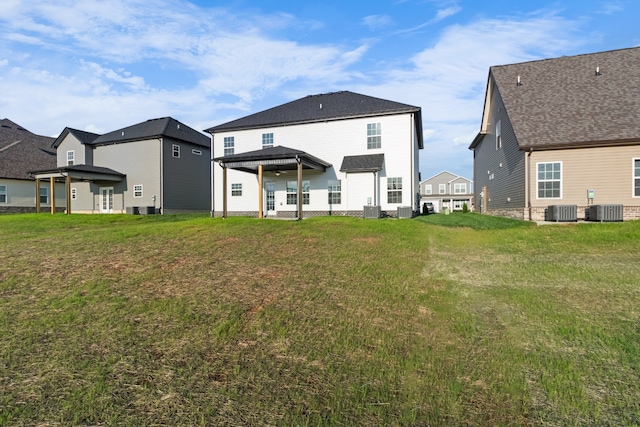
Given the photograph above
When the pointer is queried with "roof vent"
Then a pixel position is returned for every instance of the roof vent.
(598, 73)
(518, 83)
(321, 106)
(122, 133)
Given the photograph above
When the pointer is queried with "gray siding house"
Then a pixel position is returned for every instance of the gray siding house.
(560, 131)
(157, 166)
(20, 152)
(447, 190)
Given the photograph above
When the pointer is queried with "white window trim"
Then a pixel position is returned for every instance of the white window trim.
(396, 187)
(332, 192)
(237, 188)
(72, 159)
(561, 179)
(428, 189)
(135, 191)
(5, 193)
(499, 135)
(228, 150)
(270, 145)
(458, 184)
(196, 152)
(175, 151)
(634, 177)
(442, 189)
(46, 194)
(378, 126)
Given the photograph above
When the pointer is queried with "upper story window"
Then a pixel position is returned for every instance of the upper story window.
(267, 140)
(137, 190)
(175, 148)
(549, 180)
(636, 177)
(374, 135)
(394, 190)
(71, 157)
(442, 188)
(229, 145)
(460, 188)
(428, 189)
(3, 194)
(499, 134)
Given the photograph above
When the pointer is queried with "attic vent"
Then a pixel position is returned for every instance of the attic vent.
(321, 106)
(122, 133)
(598, 73)
(518, 83)
(6, 126)
(178, 126)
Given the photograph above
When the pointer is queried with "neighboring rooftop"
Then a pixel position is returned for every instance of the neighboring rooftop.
(580, 100)
(22, 151)
(313, 108)
(154, 128)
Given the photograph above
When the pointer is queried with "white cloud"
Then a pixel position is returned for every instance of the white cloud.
(376, 22)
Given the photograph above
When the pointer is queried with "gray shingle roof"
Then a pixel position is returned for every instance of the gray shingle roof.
(563, 102)
(81, 168)
(312, 108)
(22, 151)
(364, 163)
(154, 128)
(82, 136)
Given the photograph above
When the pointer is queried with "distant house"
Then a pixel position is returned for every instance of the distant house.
(560, 131)
(20, 152)
(328, 154)
(157, 166)
(447, 190)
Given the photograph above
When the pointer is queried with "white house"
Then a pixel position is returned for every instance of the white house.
(328, 154)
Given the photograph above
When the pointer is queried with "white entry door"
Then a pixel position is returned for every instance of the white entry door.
(271, 198)
(106, 200)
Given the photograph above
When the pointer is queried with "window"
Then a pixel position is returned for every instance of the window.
(636, 177)
(374, 135)
(394, 190)
(267, 140)
(460, 188)
(335, 192)
(196, 152)
(442, 188)
(236, 189)
(229, 144)
(292, 192)
(499, 134)
(3, 194)
(74, 193)
(176, 150)
(428, 189)
(71, 157)
(549, 180)
(44, 195)
(137, 190)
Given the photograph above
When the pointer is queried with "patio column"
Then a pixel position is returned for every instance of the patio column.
(260, 213)
(224, 191)
(68, 189)
(299, 187)
(37, 195)
(52, 183)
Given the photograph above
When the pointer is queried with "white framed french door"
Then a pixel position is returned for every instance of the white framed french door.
(106, 199)
(270, 189)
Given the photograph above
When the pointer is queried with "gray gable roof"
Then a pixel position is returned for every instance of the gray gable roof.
(565, 102)
(22, 151)
(82, 136)
(323, 107)
(154, 128)
(363, 163)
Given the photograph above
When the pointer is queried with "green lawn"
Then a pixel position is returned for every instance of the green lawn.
(441, 320)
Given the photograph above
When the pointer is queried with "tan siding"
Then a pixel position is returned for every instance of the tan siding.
(607, 170)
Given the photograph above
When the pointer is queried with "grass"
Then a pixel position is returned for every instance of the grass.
(442, 320)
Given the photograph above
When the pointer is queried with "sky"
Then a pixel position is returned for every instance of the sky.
(101, 65)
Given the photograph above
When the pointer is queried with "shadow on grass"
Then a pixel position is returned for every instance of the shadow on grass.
(475, 221)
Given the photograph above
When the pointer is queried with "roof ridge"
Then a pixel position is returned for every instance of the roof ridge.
(11, 145)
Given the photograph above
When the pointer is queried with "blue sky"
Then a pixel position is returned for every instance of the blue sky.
(99, 65)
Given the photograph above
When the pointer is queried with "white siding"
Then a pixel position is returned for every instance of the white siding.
(329, 141)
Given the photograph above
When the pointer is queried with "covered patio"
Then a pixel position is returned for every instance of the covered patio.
(276, 159)
(68, 174)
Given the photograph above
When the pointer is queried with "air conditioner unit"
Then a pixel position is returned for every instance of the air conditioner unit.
(372, 212)
(607, 213)
(405, 212)
(565, 213)
(132, 210)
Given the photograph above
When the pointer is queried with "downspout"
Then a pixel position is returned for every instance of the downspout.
(213, 201)
(411, 151)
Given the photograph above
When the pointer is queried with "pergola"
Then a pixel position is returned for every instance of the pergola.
(275, 159)
(67, 174)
